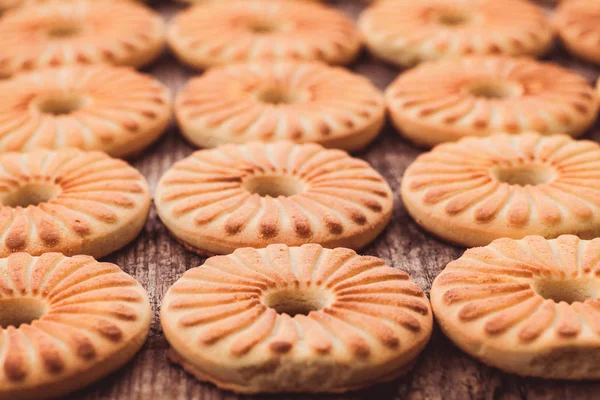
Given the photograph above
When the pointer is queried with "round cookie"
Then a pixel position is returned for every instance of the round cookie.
(303, 102)
(445, 100)
(113, 109)
(66, 322)
(479, 189)
(528, 306)
(578, 29)
(252, 195)
(295, 319)
(225, 32)
(69, 201)
(58, 32)
(407, 32)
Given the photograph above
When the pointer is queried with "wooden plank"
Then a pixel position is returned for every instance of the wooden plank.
(443, 371)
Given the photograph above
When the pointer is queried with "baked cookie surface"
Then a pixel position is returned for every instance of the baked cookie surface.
(528, 306)
(258, 193)
(69, 201)
(407, 32)
(65, 322)
(480, 189)
(578, 28)
(225, 32)
(58, 32)
(98, 107)
(295, 319)
(302, 102)
(445, 100)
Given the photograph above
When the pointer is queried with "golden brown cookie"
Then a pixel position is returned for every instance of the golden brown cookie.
(113, 109)
(69, 201)
(529, 306)
(251, 30)
(578, 28)
(406, 32)
(480, 189)
(295, 319)
(58, 32)
(65, 322)
(445, 100)
(302, 102)
(256, 194)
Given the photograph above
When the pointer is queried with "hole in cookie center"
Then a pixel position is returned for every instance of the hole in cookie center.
(569, 291)
(294, 302)
(20, 311)
(30, 195)
(274, 185)
(273, 95)
(264, 26)
(453, 18)
(64, 30)
(61, 104)
(495, 89)
(523, 175)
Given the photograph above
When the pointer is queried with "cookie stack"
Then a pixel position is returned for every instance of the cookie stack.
(283, 303)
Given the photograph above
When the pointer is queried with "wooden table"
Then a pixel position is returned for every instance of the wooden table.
(442, 372)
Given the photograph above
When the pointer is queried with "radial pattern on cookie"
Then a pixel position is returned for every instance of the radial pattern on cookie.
(532, 296)
(85, 312)
(256, 194)
(445, 100)
(303, 102)
(58, 32)
(232, 306)
(64, 199)
(225, 32)
(407, 32)
(509, 185)
(112, 109)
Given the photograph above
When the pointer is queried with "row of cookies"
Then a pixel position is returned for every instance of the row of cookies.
(195, 189)
(528, 306)
(68, 321)
(430, 104)
(80, 319)
(306, 308)
(122, 112)
(55, 32)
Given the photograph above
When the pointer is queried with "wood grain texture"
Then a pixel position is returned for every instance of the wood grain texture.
(442, 372)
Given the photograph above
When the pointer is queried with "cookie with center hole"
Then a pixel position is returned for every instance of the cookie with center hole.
(407, 32)
(225, 32)
(529, 307)
(445, 100)
(480, 189)
(98, 107)
(59, 32)
(69, 201)
(66, 322)
(295, 319)
(298, 101)
(256, 194)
